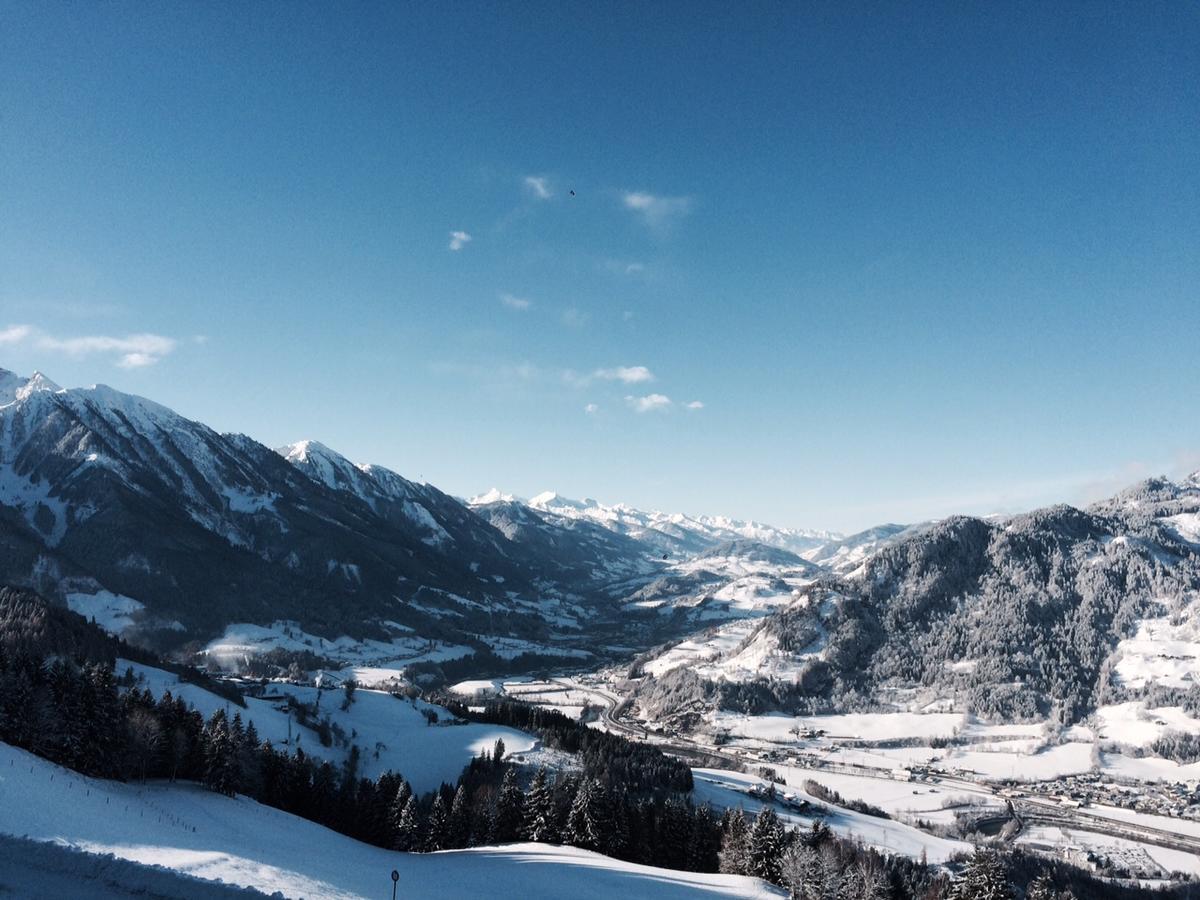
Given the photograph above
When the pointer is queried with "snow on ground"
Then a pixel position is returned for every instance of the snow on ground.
(478, 687)
(37, 870)
(243, 641)
(237, 841)
(112, 612)
(392, 733)
(866, 726)
(1149, 768)
(1164, 651)
(725, 789)
(702, 647)
(1133, 724)
(1063, 840)
(1047, 764)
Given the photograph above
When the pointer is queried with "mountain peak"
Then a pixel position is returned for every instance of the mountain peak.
(552, 499)
(495, 495)
(37, 382)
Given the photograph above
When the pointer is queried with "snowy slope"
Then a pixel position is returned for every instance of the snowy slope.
(240, 842)
(107, 495)
(392, 733)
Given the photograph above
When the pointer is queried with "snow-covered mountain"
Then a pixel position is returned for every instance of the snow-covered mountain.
(169, 532)
(112, 500)
(1050, 613)
(674, 533)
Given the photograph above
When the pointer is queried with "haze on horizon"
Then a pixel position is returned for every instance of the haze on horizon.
(815, 267)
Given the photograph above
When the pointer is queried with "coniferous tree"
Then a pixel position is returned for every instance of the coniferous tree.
(588, 822)
(983, 879)
(458, 826)
(510, 810)
(220, 771)
(541, 819)
(437, 828)
(1042, 888)
(705, 842)
(735, 848)
(399, 802)
(766, 846)
(408, 827)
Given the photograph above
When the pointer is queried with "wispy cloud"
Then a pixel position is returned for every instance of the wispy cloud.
(591, 409)
(14, 334)
(623, 374)
(649, 403)
(518, 303)
(539, 186)
(695, 404)
(574, 317)
(459, 239)
(656, 211)
(626, 374)
(133, 351)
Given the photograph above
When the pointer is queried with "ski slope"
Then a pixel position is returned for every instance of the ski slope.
(193, 831)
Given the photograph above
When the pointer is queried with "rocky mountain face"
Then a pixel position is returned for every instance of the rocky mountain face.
(1013, 618)
(110, 500)
(102, 491)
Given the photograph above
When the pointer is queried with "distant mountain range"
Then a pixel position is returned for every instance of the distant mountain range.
(170, 531)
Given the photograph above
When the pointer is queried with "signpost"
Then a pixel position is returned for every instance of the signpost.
(395, 879)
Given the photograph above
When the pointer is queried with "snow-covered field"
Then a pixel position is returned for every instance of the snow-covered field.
(1165, 651)
(242, 642)
(194, 831)
(725, 789)
(392, 733)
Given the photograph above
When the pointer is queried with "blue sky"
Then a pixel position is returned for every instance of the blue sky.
(910, 262)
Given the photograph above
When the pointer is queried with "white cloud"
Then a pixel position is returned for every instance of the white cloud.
(649, 403)
(517, 303)
(625, 374)
(459, 239)
(135, 350)
(695, 404)
(132, 351)
(539, 186)
(14, 334)
(591, 409)
(657, 212)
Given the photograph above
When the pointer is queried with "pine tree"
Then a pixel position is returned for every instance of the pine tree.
(399, 801)
(220, 764)
(588, 822)
(408, 827)
(1042, 888)
(766, 846)
(675, 835)
(541, 819)
(705, 842)
(984, 879)
(510, 811)
(439, 821)
(458, 826)
(735, 848)
(802, 872)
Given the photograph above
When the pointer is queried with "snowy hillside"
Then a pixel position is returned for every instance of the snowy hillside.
(732, 580)
(239, 842)
(974, 613)
(393, 734)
